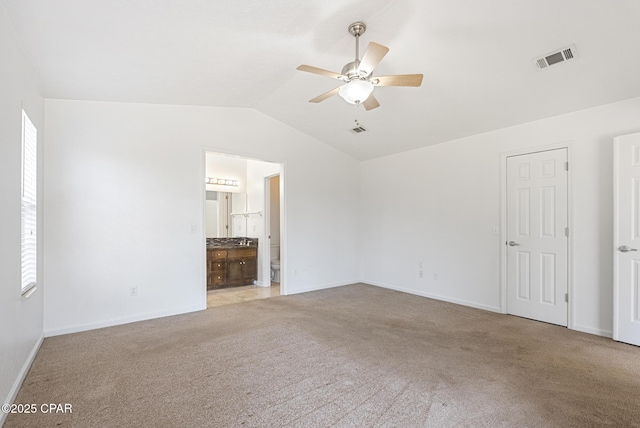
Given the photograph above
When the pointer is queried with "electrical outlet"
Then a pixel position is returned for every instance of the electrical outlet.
(133, 291)
(420, 273)
(419, 265)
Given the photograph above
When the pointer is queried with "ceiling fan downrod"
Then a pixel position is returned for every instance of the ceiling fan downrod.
(351, 71)
(357, 29)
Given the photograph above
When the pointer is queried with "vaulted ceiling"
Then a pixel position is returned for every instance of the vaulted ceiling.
(476, 57)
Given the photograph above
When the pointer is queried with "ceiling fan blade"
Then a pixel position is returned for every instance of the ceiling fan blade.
(399, 80)
(370, 103)
(324, 96)
(372, 56)
(320, 71)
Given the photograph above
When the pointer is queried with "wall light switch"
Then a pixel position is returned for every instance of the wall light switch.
(193, 229)
(495, 230)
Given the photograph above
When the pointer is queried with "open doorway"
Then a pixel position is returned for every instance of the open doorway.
(238, 218)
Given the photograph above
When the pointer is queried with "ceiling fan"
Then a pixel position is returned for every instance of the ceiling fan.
(358, 75)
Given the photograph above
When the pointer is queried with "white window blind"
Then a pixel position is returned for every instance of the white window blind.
(29, 203)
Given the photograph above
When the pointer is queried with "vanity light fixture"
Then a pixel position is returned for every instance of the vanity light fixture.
(222, 181)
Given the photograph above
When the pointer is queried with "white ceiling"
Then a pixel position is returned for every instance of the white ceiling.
(476, 57)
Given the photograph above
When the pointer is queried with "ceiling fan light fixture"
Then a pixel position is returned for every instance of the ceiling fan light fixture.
(358, 74)
(356, 91)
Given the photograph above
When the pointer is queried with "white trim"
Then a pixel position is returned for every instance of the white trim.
(591, 330)
(436, 296)
(568, 145)
(266, 247)
(238, 154)
(266, 276)
(13, 392)
(203, 227)
(124, 320)
(29, 205)
(284, 243)
(616, 225)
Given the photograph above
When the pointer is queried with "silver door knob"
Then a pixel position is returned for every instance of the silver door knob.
(513, 244)
(625, 249)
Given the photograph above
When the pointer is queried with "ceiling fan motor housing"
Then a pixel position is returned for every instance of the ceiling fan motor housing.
(352, 72)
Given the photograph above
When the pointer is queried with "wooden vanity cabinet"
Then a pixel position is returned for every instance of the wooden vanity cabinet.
(217, 268)
(242, 266)
(231, 267)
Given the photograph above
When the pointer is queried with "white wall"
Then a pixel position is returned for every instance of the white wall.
(21, 319)
(230, 167)
(124, 187)
(439, 204)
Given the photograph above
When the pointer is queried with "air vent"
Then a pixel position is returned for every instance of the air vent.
(557, 57)
(358, 130)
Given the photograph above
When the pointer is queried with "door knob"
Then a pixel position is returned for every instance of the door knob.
(625, 249)
(513, 244)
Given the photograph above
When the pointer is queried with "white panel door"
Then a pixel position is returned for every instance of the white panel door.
(626, 311)
(537, 244)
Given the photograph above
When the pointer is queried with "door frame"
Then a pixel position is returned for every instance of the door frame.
(615, 334)
(503, 222)
(283, 229)
(616, 226)
(283, 214)
(267, 228)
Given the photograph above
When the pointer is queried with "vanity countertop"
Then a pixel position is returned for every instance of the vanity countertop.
(226, 243)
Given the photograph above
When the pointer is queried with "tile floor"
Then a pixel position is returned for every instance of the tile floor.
(227, 296)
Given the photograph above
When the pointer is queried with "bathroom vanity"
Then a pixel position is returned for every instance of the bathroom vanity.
(231, 262)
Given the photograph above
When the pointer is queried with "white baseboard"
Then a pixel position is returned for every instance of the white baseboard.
(261, 284)
(591, 330)
(306, 289)
(119, 321)
(436, 297)
(577, 327)
(13, 392)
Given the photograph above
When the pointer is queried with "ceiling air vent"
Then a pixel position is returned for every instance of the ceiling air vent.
(358, 130)
(561, 55)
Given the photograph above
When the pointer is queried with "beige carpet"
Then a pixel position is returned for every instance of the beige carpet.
(351, 356)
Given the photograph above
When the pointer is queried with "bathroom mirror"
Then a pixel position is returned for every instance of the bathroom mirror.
(223, 215)
(238, 219)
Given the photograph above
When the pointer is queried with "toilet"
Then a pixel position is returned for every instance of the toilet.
(275, 263)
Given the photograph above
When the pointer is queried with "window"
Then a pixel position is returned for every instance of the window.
(29, 203)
